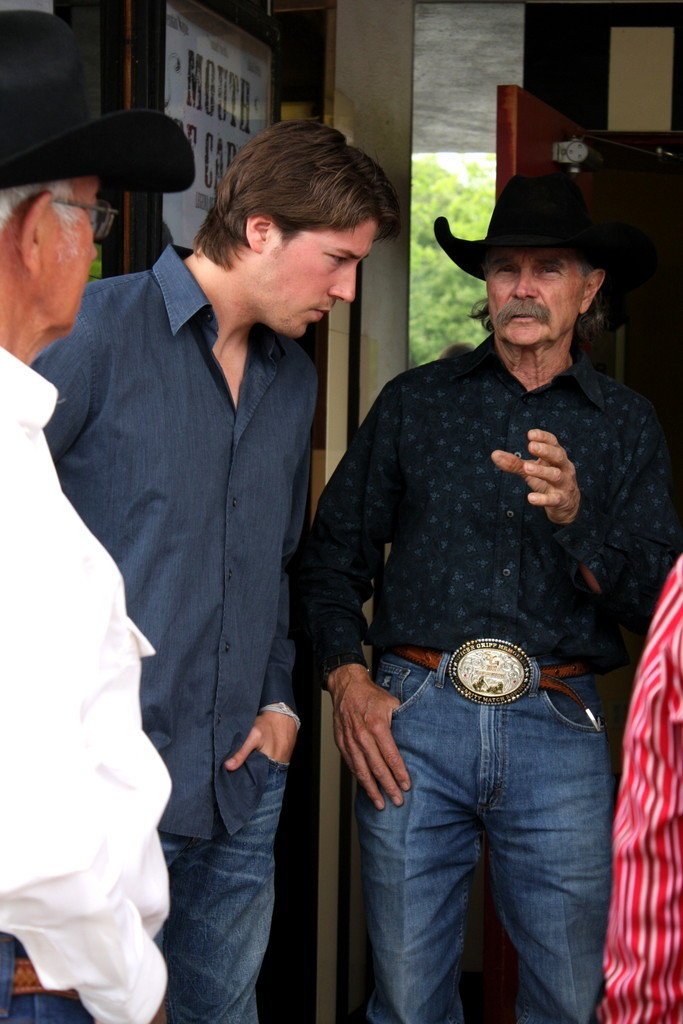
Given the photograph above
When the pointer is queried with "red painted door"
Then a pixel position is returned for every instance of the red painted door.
(526, 131)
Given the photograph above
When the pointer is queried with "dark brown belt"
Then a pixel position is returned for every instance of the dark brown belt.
(27, 983)
(550, 674)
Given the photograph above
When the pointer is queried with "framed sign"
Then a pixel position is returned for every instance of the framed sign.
(230, 41)
(219, 85)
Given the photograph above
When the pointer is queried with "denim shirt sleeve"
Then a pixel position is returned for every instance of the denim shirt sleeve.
(277, 682)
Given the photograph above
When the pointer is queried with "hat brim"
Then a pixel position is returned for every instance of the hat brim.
(625, 252)
(132, 149)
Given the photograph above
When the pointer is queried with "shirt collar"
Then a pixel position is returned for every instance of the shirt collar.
(471, 360)
(184, 297)
(581, 370)
(586, 376)
(26, 396)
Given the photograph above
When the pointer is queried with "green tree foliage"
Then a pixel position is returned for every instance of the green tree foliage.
(95, 272)
(442, 295)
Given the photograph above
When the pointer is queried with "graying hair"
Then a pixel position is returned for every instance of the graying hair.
(11, 198)
(589, 325)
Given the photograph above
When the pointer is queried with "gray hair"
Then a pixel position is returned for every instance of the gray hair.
(589, 325)
(11, 198)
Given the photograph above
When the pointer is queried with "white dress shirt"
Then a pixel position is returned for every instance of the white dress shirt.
(83, 883)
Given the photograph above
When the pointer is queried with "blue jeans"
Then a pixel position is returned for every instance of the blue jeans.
(535, 775)
(221, 907)
(46, 1009)
(38, 1009)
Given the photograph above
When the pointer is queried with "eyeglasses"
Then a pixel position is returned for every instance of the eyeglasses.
(101, 215)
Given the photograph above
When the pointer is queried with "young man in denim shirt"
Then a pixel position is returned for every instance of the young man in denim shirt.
(182, 437)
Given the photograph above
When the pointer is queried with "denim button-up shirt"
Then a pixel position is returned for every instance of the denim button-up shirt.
(200, 504)
(470, 557)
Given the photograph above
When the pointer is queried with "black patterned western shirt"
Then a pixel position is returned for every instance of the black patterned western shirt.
(470, 556)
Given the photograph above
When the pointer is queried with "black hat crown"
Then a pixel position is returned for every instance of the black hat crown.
(550, 207)
(46, 133)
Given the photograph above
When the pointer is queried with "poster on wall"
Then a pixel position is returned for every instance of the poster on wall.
(218, 86)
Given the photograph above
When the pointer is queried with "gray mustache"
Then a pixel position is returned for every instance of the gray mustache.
(522, 307)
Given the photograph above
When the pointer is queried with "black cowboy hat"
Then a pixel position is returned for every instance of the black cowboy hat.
(46, 133)
(549, 211)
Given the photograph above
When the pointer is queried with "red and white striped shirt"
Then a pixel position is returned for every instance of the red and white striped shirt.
(644, 952)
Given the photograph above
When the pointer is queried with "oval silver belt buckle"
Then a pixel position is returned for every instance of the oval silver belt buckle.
(490, 671)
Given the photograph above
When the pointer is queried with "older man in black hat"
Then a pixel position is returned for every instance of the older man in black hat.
(83, 886)
(527, 503)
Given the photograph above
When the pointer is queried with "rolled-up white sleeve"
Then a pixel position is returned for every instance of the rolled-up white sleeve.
(83, 883)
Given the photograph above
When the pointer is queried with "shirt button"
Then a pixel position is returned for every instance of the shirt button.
(518, 454)
(234, 502)
(510, 514)
(226, 647)
(229, 574)
(506, 572)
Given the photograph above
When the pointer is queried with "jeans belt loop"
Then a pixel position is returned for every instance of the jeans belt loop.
(442, 670)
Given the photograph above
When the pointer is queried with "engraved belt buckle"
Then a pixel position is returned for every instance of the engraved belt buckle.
(490, 671)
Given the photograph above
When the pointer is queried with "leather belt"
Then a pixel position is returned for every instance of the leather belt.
(497, 672)
(27, 983)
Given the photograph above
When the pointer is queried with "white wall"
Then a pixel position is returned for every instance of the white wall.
(373, 99)
(372, 106)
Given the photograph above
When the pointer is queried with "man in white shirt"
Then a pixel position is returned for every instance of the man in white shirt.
(83, 887)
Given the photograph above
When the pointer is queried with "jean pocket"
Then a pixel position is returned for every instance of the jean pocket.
(567, 711)
(405, 683)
